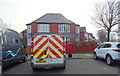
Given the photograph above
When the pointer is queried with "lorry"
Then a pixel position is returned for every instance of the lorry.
(12, 47)
(48, 52)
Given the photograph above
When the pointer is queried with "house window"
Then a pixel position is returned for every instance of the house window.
(29, 41)
(64, 28)
(66, 39)
(77, 29)
(28, 28)
(77, 38)
(43, 28)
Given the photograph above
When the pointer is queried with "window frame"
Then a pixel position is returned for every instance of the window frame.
(29, 29)
(43, 27)
(64, 28)
(106, 46)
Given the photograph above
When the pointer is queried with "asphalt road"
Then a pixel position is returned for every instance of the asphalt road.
(74, 66)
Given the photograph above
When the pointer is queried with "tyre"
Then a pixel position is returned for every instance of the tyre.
(95, 56)
(34, 69)
(62, 68)
(109, 60)
(25, 58)
(69, 55)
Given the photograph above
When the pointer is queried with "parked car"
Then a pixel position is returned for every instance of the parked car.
(12, 47)
(110, 51)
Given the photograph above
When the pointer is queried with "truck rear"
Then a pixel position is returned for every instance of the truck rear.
(48, 52)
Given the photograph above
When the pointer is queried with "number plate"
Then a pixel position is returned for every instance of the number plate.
(41, 61)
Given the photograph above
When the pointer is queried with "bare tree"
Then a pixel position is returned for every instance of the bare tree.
(106, 15)
(102, 35)
(3, 25)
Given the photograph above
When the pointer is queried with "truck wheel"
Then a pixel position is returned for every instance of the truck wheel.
(63, 67)
(109, 60)
(70, 55)
(34, 69)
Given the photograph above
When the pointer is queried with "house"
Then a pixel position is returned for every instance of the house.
(53, 23)
(85, 36)
(82, 33)
(23, 35)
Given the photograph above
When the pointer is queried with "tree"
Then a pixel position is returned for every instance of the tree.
(3, 25)
(101, 34)
(106, 15)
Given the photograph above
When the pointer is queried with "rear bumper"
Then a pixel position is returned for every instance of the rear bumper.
(47, 65)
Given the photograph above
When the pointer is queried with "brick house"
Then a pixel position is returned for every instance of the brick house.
(82, 33)
(23, 35)
(85, 36)
(53, 23)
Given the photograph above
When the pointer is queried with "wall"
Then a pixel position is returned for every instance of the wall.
(84, 47)
(34, 28)
(72, 28)
(54, 28)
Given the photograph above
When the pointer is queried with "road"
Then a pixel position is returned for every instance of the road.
(74, 66)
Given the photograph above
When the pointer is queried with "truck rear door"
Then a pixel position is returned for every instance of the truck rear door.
(48, 49)
(55, 49)
(40, 50)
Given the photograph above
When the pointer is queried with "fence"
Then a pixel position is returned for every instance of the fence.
(84, 47)
(79, 47)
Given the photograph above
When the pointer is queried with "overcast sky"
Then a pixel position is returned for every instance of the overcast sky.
(20, 12)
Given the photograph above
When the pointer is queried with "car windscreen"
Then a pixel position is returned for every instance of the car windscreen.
(118, 45)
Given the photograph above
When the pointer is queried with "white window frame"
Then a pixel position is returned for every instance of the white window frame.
(43, 27)
(28, 28)
(64, 28)
(77, 38)
(29, 41)
(77, 29)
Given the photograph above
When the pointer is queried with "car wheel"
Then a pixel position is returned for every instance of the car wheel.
(109, 60)
(95, 56)
(25, 58)
(34, 69)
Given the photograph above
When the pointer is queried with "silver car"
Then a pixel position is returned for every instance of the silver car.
(110, 51)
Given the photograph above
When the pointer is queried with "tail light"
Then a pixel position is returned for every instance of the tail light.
(117, 50)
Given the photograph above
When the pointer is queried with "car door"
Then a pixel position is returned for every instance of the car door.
(99, 49)
(7, 47)
(105, 50)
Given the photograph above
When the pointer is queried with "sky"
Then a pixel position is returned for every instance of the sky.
(18, 13)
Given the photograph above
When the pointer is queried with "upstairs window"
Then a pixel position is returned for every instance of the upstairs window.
(77, 29)
(64, 28)
(28, 28)
(43, 28)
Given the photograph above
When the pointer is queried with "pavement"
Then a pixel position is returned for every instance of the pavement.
(75, 56)
(82, 56)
